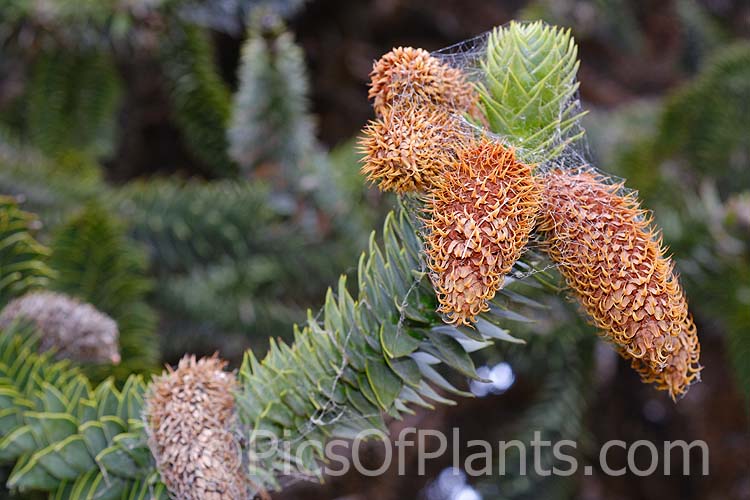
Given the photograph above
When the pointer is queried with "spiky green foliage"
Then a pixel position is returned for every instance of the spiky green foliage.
(79, 87)
(200, 99)
(225, 271)
(65, 436)
(555, 414)
(49, 188)
(705, 122)
(95, 262)
(368, 353)
(270, 119)
(363, 357)
(194, 224)
(22, 258)
(529, 96)
(227, 306)
(186, 225)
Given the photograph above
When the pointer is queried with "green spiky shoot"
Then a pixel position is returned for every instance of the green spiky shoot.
(529, 94)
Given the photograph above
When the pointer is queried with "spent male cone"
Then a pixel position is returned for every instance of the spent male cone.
(190, 412)
(72, 329)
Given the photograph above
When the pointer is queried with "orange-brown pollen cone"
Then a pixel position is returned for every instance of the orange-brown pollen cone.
(415, 75)
(409, 147)
(481, 217)
(614, 261)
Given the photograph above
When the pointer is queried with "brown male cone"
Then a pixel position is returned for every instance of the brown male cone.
(70, 328)
(482, 214)
(614, 261)
(409, 147)
(414, 74)
(190, 412)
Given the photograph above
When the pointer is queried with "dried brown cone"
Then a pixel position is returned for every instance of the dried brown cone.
(409, 147)
(72, 329)
(415, 75)
(191, 419)
(614, 261)
(481, 219)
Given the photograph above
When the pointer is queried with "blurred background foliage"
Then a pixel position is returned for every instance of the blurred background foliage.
(193, 167)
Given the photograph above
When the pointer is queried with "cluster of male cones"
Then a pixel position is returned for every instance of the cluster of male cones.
(483, 204)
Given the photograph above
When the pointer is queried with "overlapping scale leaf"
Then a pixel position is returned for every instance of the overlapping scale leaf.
(22, 258)
(362, 357)
(191, 224)
(64, 435)
(530, 87)
(85, 447)
(200, 99)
